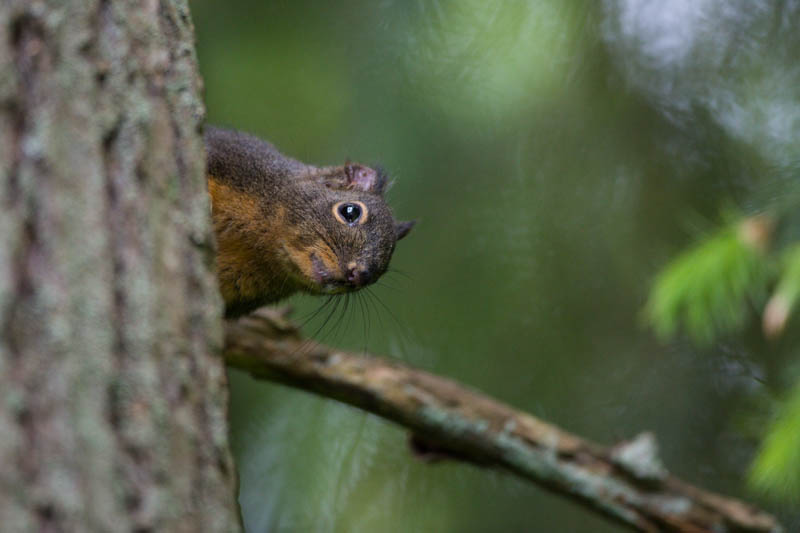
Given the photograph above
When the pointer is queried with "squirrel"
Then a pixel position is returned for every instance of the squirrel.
(283, 226)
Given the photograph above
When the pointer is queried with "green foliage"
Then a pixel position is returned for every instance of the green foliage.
(785, 296)
(706, 290)
(789, 284)
(776, 469)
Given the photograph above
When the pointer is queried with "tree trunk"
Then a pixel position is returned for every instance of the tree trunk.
(112, 391)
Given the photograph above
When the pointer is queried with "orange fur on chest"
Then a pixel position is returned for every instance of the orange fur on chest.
(245, 240)
(261, 257)
(259, 253)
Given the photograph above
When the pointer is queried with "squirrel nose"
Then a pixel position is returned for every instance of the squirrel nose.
(357, 277)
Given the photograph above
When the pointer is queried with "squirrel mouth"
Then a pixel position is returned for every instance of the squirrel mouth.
(325, 281)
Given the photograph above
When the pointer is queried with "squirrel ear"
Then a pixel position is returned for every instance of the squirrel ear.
(401, 229)
(364, 178)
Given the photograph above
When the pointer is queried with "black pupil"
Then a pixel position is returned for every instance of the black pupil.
(350, 212)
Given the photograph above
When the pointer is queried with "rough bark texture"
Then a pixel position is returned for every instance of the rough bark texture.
(112, 392)
(626, 483)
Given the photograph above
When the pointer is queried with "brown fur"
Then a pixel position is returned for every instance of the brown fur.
(276, 227)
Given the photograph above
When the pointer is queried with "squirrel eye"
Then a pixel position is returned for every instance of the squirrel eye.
(350, 213)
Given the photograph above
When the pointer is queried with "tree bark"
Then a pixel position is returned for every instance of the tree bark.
(112, 391)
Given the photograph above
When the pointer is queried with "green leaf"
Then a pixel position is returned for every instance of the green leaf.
(786, 294)
(776, 469)
(706, 290)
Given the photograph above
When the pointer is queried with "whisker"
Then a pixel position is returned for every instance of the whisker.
(336, 320)
(382, 283)
(310, 316)
(402, 273)
(402, 329)
(364, 319)
(337, 326)
(376, 310)
(312, 338)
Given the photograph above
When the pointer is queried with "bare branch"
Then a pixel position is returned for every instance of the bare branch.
(626, 482)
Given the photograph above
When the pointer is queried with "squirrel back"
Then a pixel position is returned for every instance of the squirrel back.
(283, 226)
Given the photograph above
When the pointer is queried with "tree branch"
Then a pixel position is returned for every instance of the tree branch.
(626, 482)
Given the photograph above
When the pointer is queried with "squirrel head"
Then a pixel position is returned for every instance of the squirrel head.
(283, 226)
(341, 231)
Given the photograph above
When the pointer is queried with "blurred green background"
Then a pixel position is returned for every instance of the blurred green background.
(557, 155)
